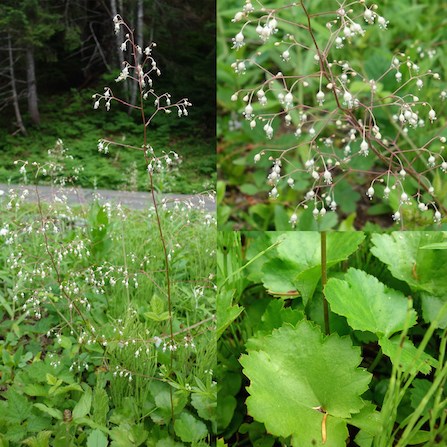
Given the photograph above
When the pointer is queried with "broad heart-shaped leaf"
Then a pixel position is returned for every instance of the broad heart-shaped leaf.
(368, 304)
(298, 263)
(407, 260)
(299, 371)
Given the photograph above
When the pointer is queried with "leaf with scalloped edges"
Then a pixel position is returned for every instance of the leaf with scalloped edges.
(433, 311)
(409, 260)
(367, 304)
(297, 376)
(405, 355)
(298, 262)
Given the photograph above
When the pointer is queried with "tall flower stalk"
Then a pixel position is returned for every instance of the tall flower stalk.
(142, 69)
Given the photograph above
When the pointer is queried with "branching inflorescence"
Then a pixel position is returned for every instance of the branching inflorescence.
(141, 70)
(347, 124)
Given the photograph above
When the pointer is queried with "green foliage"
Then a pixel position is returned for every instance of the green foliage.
(367, 304)
(379, 377)
(120, 169)
(292, 388)
(245, 203)
(114, 389)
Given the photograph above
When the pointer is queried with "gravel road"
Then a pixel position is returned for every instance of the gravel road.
(135, 200)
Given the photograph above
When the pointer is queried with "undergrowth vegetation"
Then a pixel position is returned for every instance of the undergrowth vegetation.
(332, 339)
(332, 114)
(82, 127)
(107, 325)
(85, 347)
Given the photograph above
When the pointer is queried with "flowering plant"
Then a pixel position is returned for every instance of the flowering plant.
(371, 125)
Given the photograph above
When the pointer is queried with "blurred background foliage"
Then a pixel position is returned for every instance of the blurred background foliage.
(76, 54)
(416, 28)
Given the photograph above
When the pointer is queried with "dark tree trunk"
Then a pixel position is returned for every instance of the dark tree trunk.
(15, 97)
(33, 107)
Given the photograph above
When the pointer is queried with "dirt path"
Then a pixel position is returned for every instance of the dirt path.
(76, 196)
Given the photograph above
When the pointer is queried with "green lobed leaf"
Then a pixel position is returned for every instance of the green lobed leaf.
(299, 372)
(225, 410)
(432, 309)
(97, 439)
(53, 412)
(368, 304)
(298, 264)
(18, 406)
(227, 312)
(100, 405)
(409, 260)
(168, 442)
(205, 404)
(82, 408)
(419, 389)
(405, 355)
(189, 429)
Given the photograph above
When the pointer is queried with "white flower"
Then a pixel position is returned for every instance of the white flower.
(286, 55)
(437, 217)
(383, 23)
(431, 115)
(238, 41)
(338, 43)
(320, 97)
(370, 192)
(396, 216)
(364, 148)
(347, 97)
(293, 220)
(269, 131)
(327, 177)
(248, 112)
(369, 16)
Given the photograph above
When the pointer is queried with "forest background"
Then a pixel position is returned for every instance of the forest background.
(56, 54)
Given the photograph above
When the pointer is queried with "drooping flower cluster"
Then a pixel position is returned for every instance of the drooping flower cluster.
(337, 112)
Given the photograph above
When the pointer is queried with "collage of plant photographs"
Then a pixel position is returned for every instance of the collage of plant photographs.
(223, 223)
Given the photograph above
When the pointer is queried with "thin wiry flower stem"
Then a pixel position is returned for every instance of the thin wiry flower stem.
(56, 269)
(159, 225)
